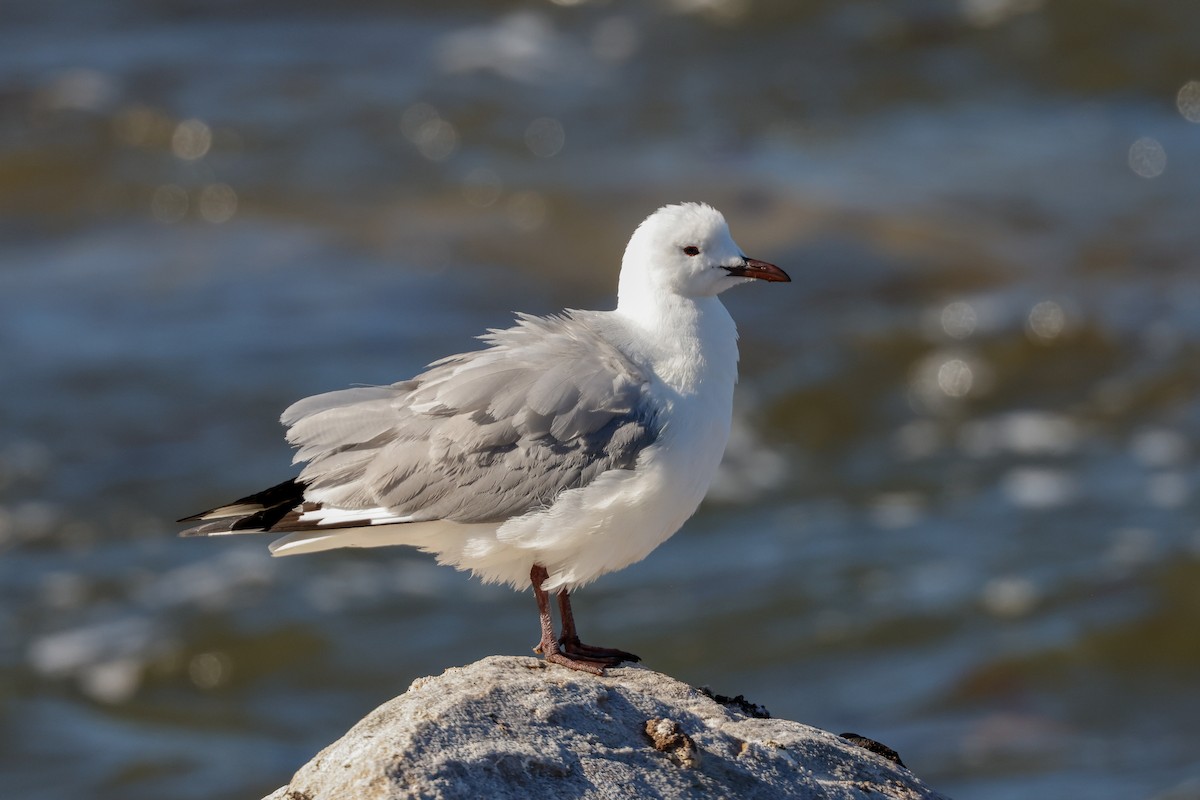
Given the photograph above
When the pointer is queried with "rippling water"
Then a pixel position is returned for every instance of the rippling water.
(959, 513)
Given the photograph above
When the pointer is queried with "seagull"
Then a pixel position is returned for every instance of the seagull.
(568, 447)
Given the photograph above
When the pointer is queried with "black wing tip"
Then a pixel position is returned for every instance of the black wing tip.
(273, 504)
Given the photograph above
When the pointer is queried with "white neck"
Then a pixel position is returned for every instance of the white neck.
(690, 341)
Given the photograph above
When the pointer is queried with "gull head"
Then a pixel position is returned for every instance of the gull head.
(686, 250)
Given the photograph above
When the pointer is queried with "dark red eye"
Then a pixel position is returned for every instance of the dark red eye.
(692, 250)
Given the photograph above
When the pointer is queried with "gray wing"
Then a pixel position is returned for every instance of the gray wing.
(482, 436)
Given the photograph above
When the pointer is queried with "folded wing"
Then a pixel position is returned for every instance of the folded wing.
(483, 436)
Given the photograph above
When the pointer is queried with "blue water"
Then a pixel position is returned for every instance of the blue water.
(959, 511)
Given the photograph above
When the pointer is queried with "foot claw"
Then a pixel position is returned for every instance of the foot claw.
(583, 665)
(606, 655)
(584, 657)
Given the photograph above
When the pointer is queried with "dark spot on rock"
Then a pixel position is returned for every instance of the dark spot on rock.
(739, 702)
(548, 769)
(298, 795)
(873, 746)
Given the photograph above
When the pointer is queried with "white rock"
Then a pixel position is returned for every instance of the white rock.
(512, 727)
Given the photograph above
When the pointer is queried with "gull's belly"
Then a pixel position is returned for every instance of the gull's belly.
(624, 514)
(687, 462)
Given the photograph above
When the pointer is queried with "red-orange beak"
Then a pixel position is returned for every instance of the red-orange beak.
(753, 268)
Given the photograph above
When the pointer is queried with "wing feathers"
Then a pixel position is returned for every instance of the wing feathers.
(547, 406)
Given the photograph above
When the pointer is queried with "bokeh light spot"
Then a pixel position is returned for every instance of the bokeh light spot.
(1147, 157)
(955, 378)
(545, 137)
(1046, 321)
(191, 140)
(113, 681)
(943, 378)
(1188, 101)
(435, 138)
(959, 320)
(1039, 487)
(218, 202)
(210, 670)
(1009, 596)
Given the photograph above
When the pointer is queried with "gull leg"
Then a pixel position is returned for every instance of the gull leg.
(549, 647)
(547, 644)
(569, 640)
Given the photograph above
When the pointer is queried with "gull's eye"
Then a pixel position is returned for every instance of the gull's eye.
(692, 250)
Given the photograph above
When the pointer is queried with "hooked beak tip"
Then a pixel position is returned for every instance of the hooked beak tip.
(753, 268)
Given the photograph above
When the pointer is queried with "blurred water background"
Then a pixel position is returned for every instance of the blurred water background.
(959, 513)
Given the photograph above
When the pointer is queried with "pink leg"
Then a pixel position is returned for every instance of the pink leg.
(567, 650)
(569, 639)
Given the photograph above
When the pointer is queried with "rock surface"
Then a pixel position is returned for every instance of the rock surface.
(513, 727)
